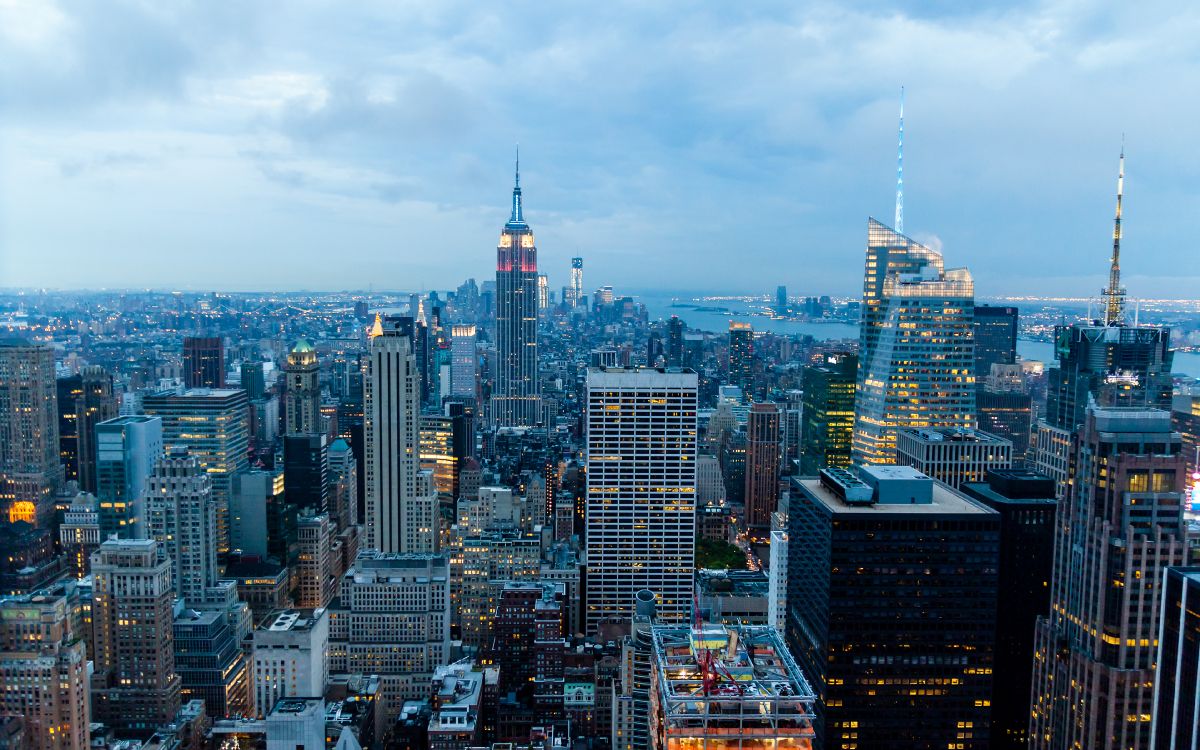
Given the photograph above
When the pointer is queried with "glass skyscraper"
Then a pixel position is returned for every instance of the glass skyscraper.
(916, 351)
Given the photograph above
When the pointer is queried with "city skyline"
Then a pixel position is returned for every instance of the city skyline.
(266, 151)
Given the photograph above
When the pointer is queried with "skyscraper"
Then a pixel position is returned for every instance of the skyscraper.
(303, 404)
(181, 516)
(1119, 526)
(781, 300)
(203, 362)
(641, 489)
(30, 471)
(401, 499)
(828, 414)
(211, 423)
(576, 281)
(674, 342)
(135, 688)
(516, 396)
(916, 358)
(126, 450)
(464, 362)
(892, 585)
(84, 400)
(995, 338)
(306, 472)
(1176, 722)
(741, 355)
(763, 450)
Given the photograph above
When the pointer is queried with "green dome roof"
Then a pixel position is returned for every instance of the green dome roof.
(302, 346)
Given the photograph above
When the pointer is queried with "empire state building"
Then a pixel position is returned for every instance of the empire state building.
(516, 400)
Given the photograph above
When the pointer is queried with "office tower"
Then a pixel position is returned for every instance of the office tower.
(641, 490)
(781, 300)
(777, 579)
(255, 492)
(741, 355)
(464, 362)
(181, 516)
(543, 288)
(725, 688)
(892, 585)
(44, 668)
(211, 424)
(674, 342)
(515, 398)
(1025, 502)
(443, 452)
(527, 645)
(392, 619)
(306, 471)
(1119, 526)
(203, 362)
(84, 400)
(489, 559)
(126, 450)
(210, 662)
(400, 498)
(995, 338)
(303, 393)
(953, 456)
(656, 354)
(291, 656)
(828, 413)
(254, 381)
(576, 282)
(916, 356)
(313, 575)
(343, 476)
(1108, 361)
(79, 533)
(1176, 722)
(763, 450)
(30, 471)
(135, 687)
(1009, 415)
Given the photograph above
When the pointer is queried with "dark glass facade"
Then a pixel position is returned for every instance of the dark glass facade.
(1176, 719)
(306, 472)
(203, 362)
(995, 338)
(828, 414)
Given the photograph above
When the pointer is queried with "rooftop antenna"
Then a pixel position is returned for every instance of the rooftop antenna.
(1114, 295)
(900, 171)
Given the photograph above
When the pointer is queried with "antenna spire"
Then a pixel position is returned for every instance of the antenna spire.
(518, 216)
(1114, 295)
(900, 171)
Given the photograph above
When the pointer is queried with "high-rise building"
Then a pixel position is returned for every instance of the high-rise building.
(44, 668)
(516, 395)
(401, 501)
(291, 656)
(576, 287)
(543, 288)
(464, 362)
(1176, 721)
(995, 338)
(726, 688)
(211, 423)
(741, 355)
(30, 470)
(953, 456)
(210, 661)
(203, 362)
(303, 400)
(641, 491)
(892, 585)
(84, 400)
(1119, 526)
(181, 516)
(254, 381)
(1007, 414)
(126, 450)
(916, 358)
(489, 559)
(444, 451)
(674, 342)
(306, 481)
(763, 451)
(1106, 361)
(828, 414)
(313, 575)
(135, 688)
(79, 533)
(781, 300)
(1025, 502)
(392, 619)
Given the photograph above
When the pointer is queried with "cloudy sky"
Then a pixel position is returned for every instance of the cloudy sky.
(682, 146)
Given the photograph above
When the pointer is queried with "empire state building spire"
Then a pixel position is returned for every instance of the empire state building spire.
(1114, 295)
(518, 216)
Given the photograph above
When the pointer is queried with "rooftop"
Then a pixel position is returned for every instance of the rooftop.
(291, 620)
(953, 435)
(945, 500)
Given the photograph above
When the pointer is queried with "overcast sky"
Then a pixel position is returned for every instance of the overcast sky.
(682, 146)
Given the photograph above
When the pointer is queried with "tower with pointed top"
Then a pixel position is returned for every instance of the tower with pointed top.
(1114, 295)
(516, 398)
(900, 170)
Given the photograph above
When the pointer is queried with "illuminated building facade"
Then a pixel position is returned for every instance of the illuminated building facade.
(892, 590)
(84, 400)
(916, 365)
(828, 414)
(203, 362)
(1119, 526)
(641, 489)
(303, 400)
(763, 451)
(126, 449)
(30, 470)
(444, 450)
(464, 362)
(516, 398)
(953, 456)
(741, 355)
(576, 288)
(181, 516)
